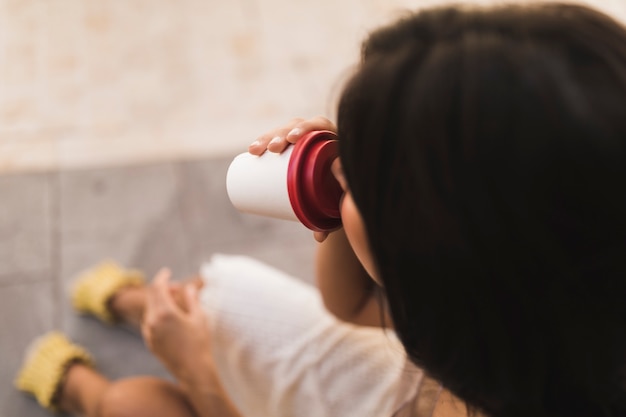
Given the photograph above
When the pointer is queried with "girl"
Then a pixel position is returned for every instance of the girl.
(482, 155)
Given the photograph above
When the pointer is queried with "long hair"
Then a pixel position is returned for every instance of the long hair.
(486, 151)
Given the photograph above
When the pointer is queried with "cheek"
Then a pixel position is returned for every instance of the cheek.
(355, 231)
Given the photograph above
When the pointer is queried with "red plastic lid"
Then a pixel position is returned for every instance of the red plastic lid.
(314, 192)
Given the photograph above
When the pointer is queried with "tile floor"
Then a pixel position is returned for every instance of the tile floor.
(53, 225)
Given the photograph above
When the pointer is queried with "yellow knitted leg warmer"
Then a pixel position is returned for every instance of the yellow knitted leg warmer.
(95, 287)
(46, 365)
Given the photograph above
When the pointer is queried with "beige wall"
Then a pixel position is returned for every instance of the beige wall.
(97, 82)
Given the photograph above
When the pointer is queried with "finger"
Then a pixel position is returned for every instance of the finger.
(195, 280)
(320, 236)
(278, 143)
(161, 290)
(179, 297)
(152, 308)
(150, 302)
(293, 131)
(175, 286)
(174, 289)
(309, 125)
(193, 303)
(198, 282)
(146, 334)
(277, 136)
(162, 277)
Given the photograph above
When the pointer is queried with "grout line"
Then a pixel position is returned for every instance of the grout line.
(179, 180)
(55, 250)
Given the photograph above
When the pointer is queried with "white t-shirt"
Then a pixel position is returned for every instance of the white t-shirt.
(280, 353)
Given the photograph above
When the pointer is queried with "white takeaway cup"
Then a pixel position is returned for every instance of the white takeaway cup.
(296, 184)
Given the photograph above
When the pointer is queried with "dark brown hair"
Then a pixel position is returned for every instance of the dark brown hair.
(486, 151)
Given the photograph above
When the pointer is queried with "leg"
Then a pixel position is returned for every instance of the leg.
(128, 303)
(86, 392)
(113, 293)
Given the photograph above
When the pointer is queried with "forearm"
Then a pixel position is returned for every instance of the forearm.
(206, 394)
(347, 290)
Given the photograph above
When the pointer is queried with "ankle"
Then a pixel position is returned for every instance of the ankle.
(128, 303)
(68, 395)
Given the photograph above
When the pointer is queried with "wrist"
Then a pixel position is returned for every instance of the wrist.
(206, 393)
(199, 371)
(207, 386)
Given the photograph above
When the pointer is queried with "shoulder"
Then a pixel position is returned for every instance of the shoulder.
(424, 400)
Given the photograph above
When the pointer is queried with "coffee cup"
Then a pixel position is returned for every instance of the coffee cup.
(296, 184)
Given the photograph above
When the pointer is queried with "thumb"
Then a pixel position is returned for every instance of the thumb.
(161, 296)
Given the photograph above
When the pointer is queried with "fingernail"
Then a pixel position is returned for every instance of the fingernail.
(276, 139)
(295, 132)
(255, 144)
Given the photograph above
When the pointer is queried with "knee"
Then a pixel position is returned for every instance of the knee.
(144, 396)
(118, 400)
